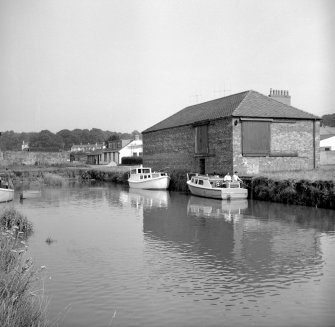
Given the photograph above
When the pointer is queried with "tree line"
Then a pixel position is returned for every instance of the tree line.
(61, 141)
(328, 120)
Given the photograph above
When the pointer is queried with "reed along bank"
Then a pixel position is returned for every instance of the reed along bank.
(21, 302)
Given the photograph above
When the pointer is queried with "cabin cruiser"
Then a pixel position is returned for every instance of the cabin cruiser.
(214, 186)
(144, 178)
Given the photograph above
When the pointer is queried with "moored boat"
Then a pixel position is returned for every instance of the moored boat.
(213, 186)
(6, 189)
(143, 178)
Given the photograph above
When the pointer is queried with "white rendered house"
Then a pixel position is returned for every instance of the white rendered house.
(122, 148)
(328, 144)
(327, 151)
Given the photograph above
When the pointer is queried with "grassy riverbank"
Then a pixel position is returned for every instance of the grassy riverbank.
(308, 188)
(319, 194)
(20, 304)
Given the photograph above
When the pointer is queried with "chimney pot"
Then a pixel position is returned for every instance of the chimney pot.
(281, 96)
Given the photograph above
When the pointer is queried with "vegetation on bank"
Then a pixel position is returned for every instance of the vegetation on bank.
(178, 180)
(294, 191)
(12, 219)
(20, 305)
(119, 177)
(54, 179)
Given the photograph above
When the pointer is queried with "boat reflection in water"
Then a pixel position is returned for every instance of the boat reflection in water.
(213, 208)
(148, 198)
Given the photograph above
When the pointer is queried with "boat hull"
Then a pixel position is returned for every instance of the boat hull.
(218, 193)
(6, 195)
(159, 183)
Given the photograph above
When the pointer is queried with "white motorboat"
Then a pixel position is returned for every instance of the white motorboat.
(6, 189)
(213, 186)
(144, 178)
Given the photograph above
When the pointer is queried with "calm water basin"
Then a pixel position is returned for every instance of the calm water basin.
(124, 257)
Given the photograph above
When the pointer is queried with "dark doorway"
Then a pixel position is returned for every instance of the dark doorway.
(202, 166)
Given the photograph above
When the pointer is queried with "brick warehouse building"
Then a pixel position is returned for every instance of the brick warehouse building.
(248, 132)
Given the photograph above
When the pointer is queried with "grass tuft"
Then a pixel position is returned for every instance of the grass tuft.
(49, 240)
(54, 180)
(12, 220)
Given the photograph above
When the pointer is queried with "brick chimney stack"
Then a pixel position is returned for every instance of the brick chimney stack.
(281, 96)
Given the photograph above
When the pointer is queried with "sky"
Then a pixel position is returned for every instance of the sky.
(124, 65)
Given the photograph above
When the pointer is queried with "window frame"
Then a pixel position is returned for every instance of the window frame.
(268, 153)
(198, 132)
(245, 147)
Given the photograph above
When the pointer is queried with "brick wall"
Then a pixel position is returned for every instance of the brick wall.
(169, 149)
(285, 138)
(221, 145)
(174, 148)
(31, 158)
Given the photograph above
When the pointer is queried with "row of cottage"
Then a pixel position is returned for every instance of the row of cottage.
(110, 153)
(248, 132)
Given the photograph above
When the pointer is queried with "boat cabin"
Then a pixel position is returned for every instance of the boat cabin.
(141, 171)
(145, 173)
(213, 181)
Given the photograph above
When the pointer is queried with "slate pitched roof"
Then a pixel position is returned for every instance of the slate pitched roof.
(248, 104)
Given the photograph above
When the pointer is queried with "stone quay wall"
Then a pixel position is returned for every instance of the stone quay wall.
(12, 158)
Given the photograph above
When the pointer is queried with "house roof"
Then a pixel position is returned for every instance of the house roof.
(124, 145)
(325, 136)
(330, 141)
(245, 104)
